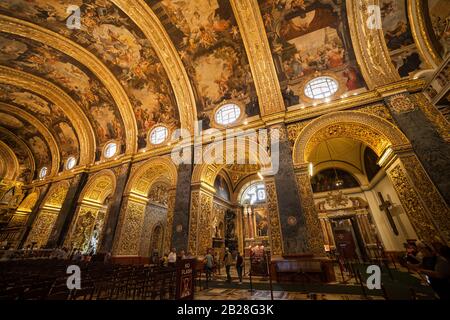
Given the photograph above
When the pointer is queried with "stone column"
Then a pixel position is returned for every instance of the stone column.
(43, 190)
(200, 236)
(67, 211)
(300, 226)
(122, 174)
(421, 201)
(180, 225)
(428, 144)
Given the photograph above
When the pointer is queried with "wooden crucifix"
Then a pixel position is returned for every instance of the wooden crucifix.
(385, 206)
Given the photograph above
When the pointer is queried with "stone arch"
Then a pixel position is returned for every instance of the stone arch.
(355, 172)
(28, 202)
(374, 131)
(9, 164)
(99, 186)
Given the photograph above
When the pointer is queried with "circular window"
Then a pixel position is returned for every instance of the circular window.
(43, 172)
(110, 149)
(158, 135)
(70, 163)
(321, 87)
(227, 114)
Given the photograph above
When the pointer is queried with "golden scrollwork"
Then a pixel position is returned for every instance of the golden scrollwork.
(276, 243)
(436, 206)
(379, 110)
(42, 227)
(401, 103)
(295, 129)
(369, 45)
(170, 211)
(416, 212)
(251, 26)
(193, 223)
(313, 227)
(130, 222)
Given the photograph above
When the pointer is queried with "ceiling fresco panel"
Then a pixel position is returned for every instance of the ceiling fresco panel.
(208, 40)
(309, 39)
(23, 155)
(111, 35)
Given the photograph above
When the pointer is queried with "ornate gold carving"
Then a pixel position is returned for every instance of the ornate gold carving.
(313, 228)
(57, 195)
(433, 115)
(83, 228)
(42, 227)
(73, 111)
(430, 196)
(295, 129)
(61, 43)
(369, 45)
(170, 211)
(193, 223)
(379, 110)
(257, 47)
(401, 103)
(152, 28)
(131, 223)
(414, 209)
(376, 132)
(276, 243)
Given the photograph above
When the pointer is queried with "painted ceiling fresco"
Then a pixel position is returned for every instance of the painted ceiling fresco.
(207, 37)
(399, 40)
(19, 148)
(439, 13)
(47, 113)
(309, 38)
(111, 35)
(30, 135)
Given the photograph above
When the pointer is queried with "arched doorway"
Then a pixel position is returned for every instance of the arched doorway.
(87, 227)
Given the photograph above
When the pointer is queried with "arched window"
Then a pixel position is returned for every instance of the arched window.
(321, 87)
(110, 150)
(70, 163)
(255, 193)
(227, 114)
(158, 135)
(43, 172)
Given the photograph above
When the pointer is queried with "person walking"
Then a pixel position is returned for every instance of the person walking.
(239, 265)
(228, 260)
(208, 264)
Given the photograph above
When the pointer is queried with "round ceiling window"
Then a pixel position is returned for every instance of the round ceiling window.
(158, 135)
(321, 88)
(227, 114)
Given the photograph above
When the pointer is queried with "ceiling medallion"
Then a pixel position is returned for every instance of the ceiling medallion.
(401, 103)
(292, 221)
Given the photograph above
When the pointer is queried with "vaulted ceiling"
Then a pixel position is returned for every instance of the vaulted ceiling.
(67, 91)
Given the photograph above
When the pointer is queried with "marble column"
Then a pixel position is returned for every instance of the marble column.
(299, 223)
(67, 212)
(180, 225)
(43, 190)
(122, 174)
(428, 144)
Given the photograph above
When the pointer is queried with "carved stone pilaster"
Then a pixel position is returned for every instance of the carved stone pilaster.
(276, 243)
(169, 226)
(409, 198)
(200, 237)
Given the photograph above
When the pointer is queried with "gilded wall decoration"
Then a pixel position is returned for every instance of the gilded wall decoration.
(159, 194)
(379, 110)
(82, 232)
(154, 216)
(313, 228)
(169, 227)
(433, 201)
(309, 39)
(276, 242)
(41, 229)
(416, 212)
(204, 223)
(439, 13)
(294, 130)
(57, 195)
(401, 103)
(130, 223)
(22, 153)
(193, 221)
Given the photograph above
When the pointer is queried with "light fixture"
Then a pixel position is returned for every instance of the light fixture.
(260, 176)
(245, 122)
(311, 169)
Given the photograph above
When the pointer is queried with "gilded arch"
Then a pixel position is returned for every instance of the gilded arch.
(9, 164)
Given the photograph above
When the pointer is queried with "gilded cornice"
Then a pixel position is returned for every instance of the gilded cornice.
(259, 55)
(55, 94)
(369, 45)
(72, 49)
(50, 139)
(153, 29)
(420, 35)
(23, 145)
